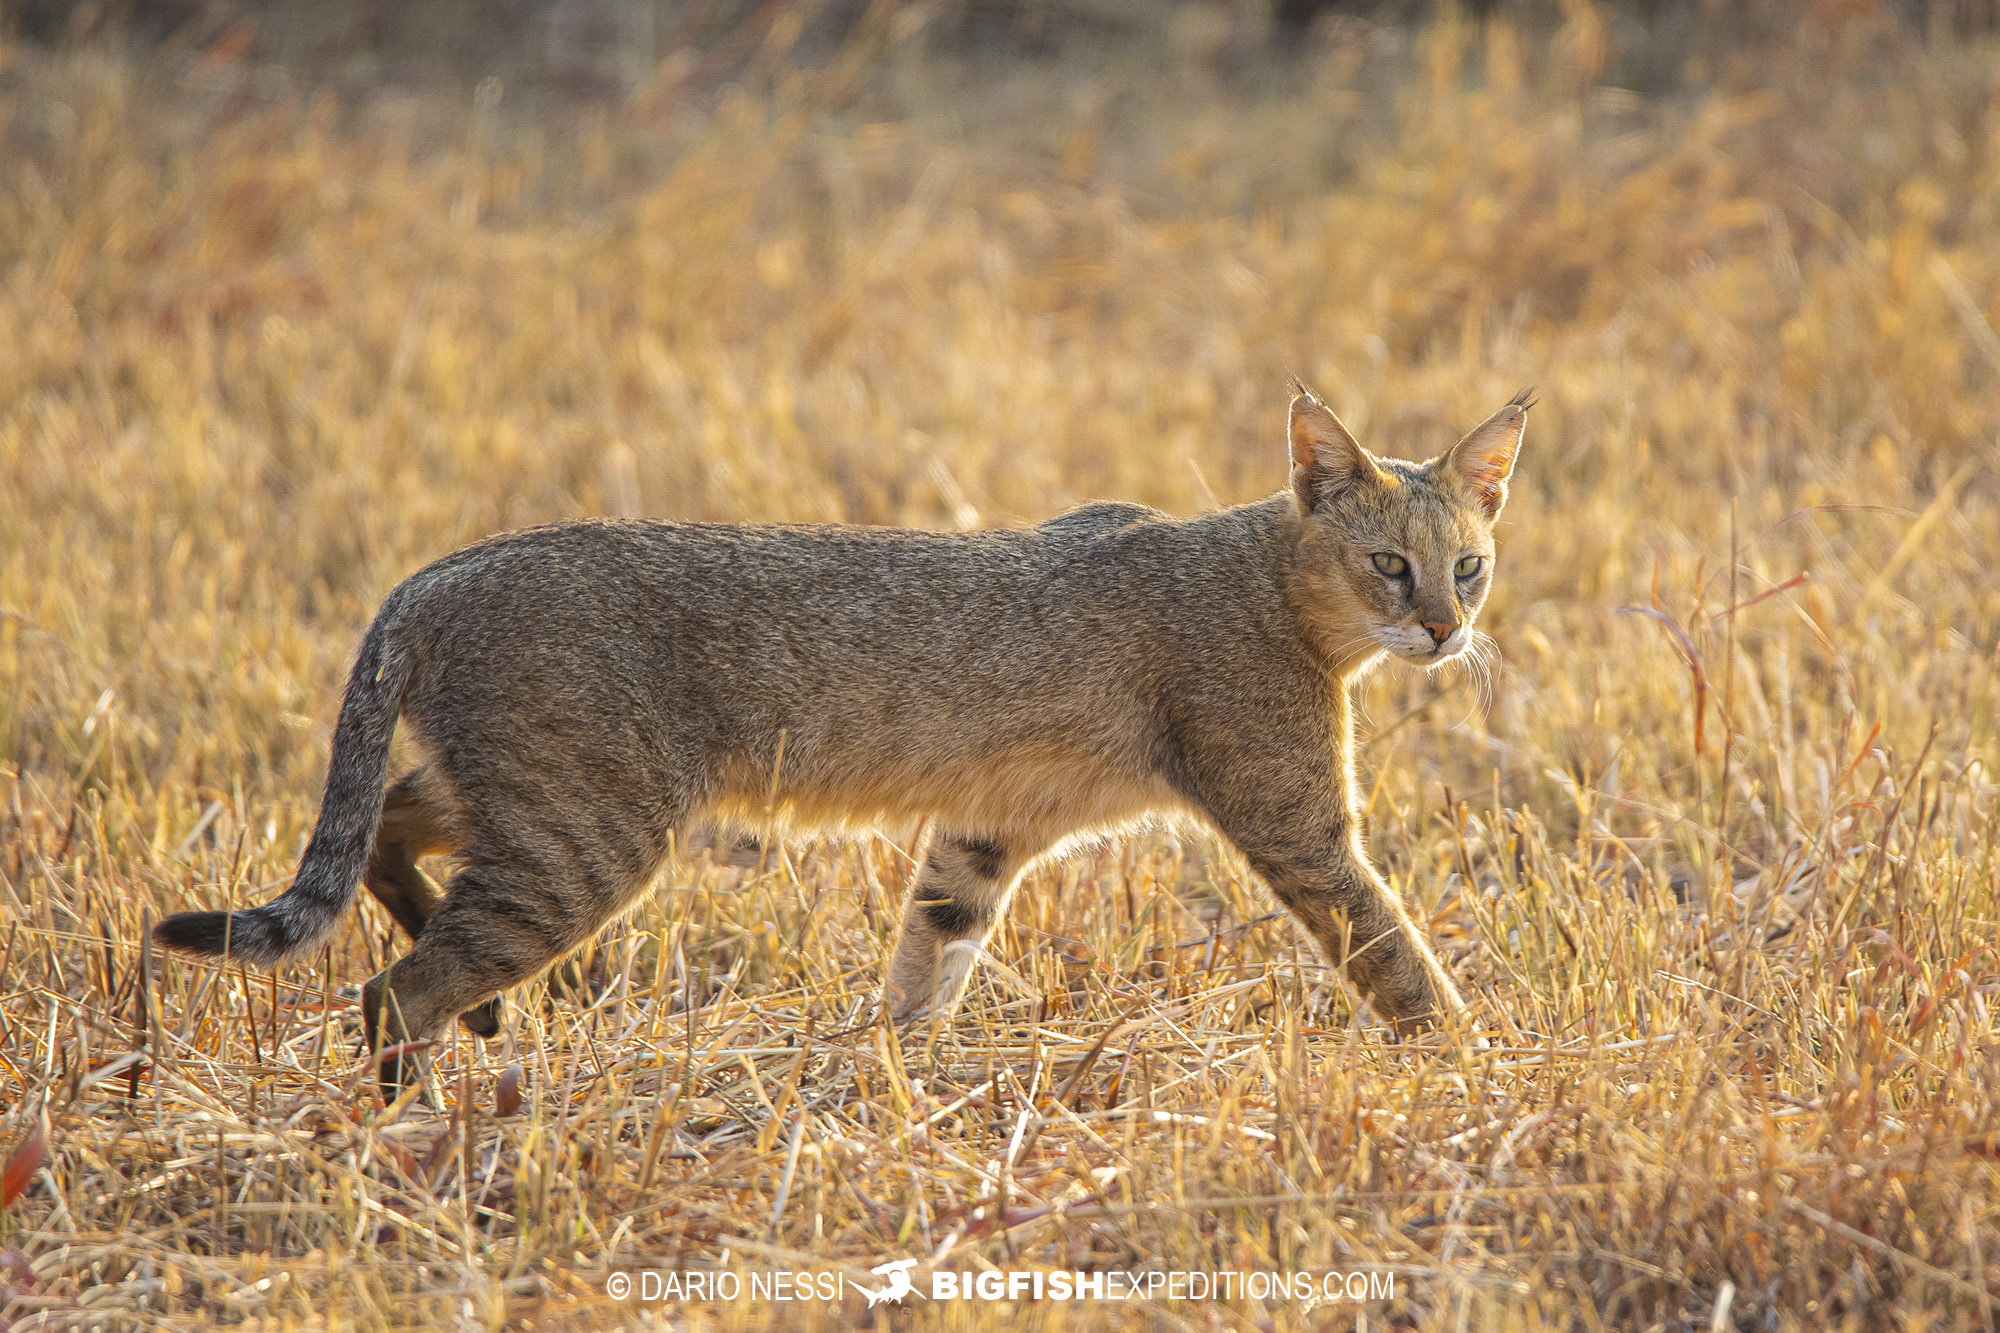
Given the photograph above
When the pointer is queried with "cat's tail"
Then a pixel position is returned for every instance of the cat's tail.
(341, 842)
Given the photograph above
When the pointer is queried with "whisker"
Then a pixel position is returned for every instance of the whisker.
(1486, 651)
(1473, 669)
(1475, 661)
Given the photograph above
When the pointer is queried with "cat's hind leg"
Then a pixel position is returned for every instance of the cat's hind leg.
(419, 818)
(502, 922)
(540, 877)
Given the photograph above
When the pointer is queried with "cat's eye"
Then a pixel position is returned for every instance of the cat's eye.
(1392, 565)
(1468, 565)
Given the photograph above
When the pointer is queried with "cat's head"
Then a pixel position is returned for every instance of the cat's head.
(1393, 556)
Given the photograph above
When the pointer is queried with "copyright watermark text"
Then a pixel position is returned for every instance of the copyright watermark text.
(894, 1283)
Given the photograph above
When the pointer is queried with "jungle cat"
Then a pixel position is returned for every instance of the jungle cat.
(586, 693)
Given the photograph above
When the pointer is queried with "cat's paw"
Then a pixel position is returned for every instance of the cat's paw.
(1419, 1017)
(1413, 1023)
(483, 1021)
(903, 1009)
(1414, 1011)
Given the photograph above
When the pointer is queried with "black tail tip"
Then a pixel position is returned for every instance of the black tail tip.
(206, 934)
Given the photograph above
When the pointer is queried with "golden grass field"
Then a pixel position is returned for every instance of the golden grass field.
(1719, 863)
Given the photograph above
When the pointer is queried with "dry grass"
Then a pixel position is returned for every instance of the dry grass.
(1721, 871)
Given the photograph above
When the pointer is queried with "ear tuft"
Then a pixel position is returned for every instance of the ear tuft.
(1326, 459)
(1483, 461)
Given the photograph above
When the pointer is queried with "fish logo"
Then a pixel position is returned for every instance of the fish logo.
(896, 1285)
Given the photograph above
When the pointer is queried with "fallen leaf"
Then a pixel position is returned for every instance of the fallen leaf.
(27, 1160)
(507, 1096)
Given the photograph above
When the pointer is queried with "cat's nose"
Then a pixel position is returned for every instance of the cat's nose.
(1440, 630)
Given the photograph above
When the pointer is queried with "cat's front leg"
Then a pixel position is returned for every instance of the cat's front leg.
(1387, 955)
(1326, 882)
(954, 904)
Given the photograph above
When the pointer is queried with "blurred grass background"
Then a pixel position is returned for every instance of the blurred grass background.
(294, 300)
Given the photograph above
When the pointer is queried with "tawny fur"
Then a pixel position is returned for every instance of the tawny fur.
(588, 693)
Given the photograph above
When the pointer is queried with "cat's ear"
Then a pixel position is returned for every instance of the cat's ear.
(1326, 460)
(1484, 460)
